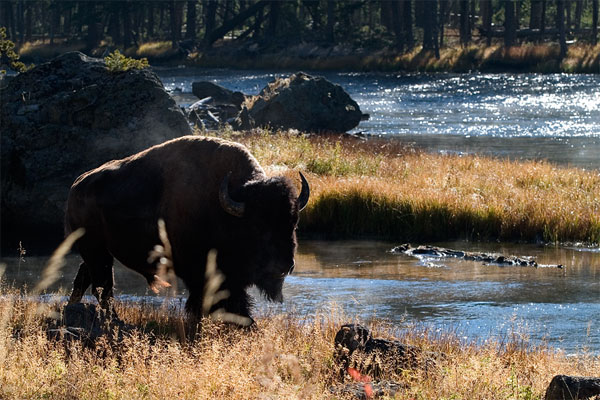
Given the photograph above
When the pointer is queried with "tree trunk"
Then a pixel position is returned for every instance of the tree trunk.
(21, 21)
(535, 17)
(407, 16)
(150, 23)
(386, 15)
(28, 21)
(227, 26)
(465, 31)
(568, 10)
(433, 13)
(210, 12)
(273, 19)
(442, 20)
(560, 24)
(578, 13)
(331, 21)
(176, 11)
(509, 23)
(543, 17)
(190, 21)
(428, 25)
(67, 22)
(486, 17)
(594, 22)
(126, 15)
(397, 24)
(54, 21)
(257, 28)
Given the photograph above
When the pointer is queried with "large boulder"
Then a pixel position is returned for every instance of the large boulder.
(219, 94)
(63, 118)
(307, 103)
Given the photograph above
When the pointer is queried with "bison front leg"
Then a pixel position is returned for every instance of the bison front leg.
(96, 270)
(82, 282)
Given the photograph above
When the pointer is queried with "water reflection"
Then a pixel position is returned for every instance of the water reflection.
(558, 306)
(522, 116)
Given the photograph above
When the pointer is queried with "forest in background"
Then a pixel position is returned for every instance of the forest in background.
(400, 25)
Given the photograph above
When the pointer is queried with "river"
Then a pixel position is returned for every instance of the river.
(363, 280)
(528, 116)
(554, 117)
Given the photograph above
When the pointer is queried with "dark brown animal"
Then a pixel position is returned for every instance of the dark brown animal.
(212, 194)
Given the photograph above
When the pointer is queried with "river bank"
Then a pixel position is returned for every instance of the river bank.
(385, 189)
(286, 356)
(544, 58)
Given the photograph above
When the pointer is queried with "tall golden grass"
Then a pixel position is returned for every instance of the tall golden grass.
(385, 190)
(284, 357)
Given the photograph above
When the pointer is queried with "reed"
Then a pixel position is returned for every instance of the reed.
(383, 189)
(284, 357)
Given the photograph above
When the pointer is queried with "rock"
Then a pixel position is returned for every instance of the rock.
(88, 323)
(208, 114)
(65, 117)
(565, 387)
(488, 258)
(219, 94)
(306, 103)
(244, 121)
(356, 348)
(367, 390)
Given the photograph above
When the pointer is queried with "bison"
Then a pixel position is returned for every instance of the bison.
(212, 194)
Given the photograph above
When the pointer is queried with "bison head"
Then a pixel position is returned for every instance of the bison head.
(266, 212)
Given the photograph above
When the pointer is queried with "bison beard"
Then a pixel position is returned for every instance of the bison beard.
(212, 194)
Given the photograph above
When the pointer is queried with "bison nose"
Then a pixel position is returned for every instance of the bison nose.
(291, 269)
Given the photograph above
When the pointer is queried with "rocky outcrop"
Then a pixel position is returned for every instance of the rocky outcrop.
(209, 114)
(366, 360)
(306, 103)
(87, 323)
(65, 117)
(487, 258)
(566, 387)
(218, 94)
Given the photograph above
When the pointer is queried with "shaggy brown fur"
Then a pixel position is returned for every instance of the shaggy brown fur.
(120, 203)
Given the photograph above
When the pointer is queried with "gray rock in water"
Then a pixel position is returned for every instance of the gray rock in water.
(219, 94)
(208, 114)
(566, 387)
(65, 117)
(306, 103)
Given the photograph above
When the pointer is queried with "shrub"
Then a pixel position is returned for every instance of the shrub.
(8, 56)
(117, 62)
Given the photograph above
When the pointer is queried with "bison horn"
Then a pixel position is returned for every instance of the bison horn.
(233, 207)
(304, 193)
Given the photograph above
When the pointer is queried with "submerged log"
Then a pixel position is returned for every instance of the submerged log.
(486, 258)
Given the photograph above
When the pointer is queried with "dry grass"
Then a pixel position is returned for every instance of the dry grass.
(282, 358)
(155, 50)
(581, 58)
(382, 189)
(43, 50)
